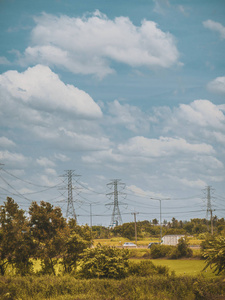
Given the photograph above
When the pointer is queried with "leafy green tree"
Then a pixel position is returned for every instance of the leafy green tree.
(49, 230)
(214, 253)
(77, 239)
(16, 243)
(104, 262)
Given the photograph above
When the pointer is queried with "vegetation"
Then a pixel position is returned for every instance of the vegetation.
(101, 272)
(45, 236)
(104, 262)
(173, 252)
(134, 288)
(214, 253)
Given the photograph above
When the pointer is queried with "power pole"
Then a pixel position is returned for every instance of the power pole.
(209, 206)
(135, 225)
(70, 211)
(116, 216)
(160, 214)
(91, 220)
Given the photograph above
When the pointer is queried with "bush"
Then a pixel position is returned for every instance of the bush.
(159, 251)
(181, 250)
(104, 262)
(146, 268)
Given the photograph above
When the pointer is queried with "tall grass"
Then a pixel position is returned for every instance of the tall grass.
(132, 288)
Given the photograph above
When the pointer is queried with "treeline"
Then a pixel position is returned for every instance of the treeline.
(195, 226)
(44, 234)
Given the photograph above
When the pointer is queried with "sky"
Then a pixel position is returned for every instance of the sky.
(132, 91)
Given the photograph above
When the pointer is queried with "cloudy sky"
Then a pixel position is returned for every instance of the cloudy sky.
(130, 90)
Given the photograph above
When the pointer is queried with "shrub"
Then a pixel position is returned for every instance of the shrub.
(104, 262)
(181, 250)
(158, 251)
(146, 268)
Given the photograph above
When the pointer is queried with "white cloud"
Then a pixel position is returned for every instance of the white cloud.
(217, 85)
(164, 146)
(50, 171)
(86, 45)
(129, 116)
(13, 159)
(45, 162)
(41, 89)
(6, 143)
(61, 157)
(202, 113)
(198, 183)
(39, 103)
(200, 117)
(215, 26)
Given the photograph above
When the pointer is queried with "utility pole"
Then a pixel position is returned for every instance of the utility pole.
(91, 220)
(160, 214)
(209, 206)
(116, 216)
(70, 211)
(135, 225)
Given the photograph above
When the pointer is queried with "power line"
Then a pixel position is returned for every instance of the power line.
(28, 182)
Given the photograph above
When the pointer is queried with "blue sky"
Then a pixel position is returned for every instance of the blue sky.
(130, 90)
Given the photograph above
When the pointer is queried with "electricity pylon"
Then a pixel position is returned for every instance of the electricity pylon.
(209, 207)
(116, 216)
(70, 211)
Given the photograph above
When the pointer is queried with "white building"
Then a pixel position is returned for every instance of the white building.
(172, 239)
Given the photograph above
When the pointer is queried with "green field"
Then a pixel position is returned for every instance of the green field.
(193, 267)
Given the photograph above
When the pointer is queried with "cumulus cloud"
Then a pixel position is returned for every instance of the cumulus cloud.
(87, 45)
(41, 89)
(59, 114)
(215, 26)
(6, 143)
(202, 113)
(45, 162)
(129, 116)
(164, 146)
(199, 119)
(13, 159)
(217, 85)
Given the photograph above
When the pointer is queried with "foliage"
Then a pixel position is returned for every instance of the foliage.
(133, 288)
(104, 262)
(146, 268)
(181, 250)
(46, 236)
(78, 239)
(50, 232)
(174, 252)
(16, 245)
(214, 253)
(158, 251)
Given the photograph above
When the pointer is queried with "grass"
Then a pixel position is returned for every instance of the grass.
(191, 267)
(132, 288)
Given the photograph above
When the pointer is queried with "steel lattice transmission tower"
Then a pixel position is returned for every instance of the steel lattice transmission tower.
(209, 206)
(70, 211)
(116, 215)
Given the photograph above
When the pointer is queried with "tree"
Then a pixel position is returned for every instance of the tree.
(16, 244)
(214, 253)
(49, 230)
(78, 239)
